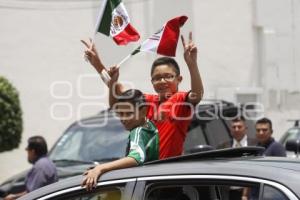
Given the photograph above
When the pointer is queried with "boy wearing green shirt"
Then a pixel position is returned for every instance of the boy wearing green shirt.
(143, 141)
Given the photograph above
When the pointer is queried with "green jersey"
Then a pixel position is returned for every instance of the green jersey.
(144, 143)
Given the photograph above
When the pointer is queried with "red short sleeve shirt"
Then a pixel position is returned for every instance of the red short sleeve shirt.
(172, 119)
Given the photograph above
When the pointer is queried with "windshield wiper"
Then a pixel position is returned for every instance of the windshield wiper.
(73, 161)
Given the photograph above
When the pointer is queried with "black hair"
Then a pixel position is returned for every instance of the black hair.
(265, 121)
(166, 61)
(38, 143)
(239, 118)
(132, 96)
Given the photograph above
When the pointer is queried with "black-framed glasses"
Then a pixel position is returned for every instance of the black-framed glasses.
(166, 77)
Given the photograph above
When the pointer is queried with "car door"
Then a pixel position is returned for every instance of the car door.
(209, 187)
(108, 190)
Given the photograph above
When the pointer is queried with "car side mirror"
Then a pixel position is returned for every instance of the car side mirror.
(293, 145)
(200, 148)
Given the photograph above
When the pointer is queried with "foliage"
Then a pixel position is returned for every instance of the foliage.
(11, 124)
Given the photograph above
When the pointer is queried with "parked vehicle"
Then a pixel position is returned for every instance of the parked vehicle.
(292, 135)
(102, 138)
(85, 143)
(206, 175)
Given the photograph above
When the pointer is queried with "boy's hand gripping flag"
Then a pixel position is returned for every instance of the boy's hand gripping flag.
(164, 41)
(114, 21)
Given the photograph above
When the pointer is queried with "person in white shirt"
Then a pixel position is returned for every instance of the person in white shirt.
(238, 129)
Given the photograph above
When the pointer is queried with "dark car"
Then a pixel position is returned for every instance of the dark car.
(207, 175)
(102, 138)
(292, 135)
(86, 142)
(211, 124)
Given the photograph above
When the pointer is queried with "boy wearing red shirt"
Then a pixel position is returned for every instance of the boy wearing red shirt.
(170, 110)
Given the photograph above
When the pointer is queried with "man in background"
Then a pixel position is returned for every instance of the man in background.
(43, 171)
(238, 129)
(264, 137)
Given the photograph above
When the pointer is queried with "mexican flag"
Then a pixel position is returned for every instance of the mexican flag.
(114, 21)
(165, 40)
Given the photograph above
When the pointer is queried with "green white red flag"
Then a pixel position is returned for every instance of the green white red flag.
(114, 21)
(165, 40)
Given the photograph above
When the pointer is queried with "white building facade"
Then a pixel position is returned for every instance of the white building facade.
(249, 50)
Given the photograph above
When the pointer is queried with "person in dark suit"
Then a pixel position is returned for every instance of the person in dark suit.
(264, 131)
(238, 129)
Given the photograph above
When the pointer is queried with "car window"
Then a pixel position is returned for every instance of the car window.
(291, 134)
(212, 127)
(198, 190)
(104, 193)
(68, 146)
(97, 143)
(212, 132)
(194, 137)
(216, 132)
(271, 193)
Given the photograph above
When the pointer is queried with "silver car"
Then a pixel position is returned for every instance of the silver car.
(211, 175)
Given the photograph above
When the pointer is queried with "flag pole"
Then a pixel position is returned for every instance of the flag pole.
(103, 74)
(124, 60)
(135, 51)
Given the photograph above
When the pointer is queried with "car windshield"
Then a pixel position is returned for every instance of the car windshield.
(291, 134)
(91, 143)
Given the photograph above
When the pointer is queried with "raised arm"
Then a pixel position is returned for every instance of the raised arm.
(92, 56)
(190, 57)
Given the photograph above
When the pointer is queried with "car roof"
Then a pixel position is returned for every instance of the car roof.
(277, 169)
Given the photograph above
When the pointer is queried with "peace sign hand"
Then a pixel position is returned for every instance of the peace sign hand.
(190, 50)
(91, 55)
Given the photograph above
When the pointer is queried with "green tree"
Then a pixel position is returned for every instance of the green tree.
(11, 124)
